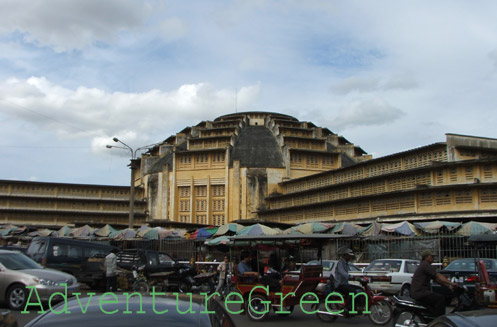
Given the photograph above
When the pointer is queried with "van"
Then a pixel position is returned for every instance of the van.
(82, 259)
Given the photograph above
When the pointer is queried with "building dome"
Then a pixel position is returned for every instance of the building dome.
(223, 170)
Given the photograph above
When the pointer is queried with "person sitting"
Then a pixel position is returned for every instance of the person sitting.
(421, 286)
(342, 285)
(271, 277)
(245, 270)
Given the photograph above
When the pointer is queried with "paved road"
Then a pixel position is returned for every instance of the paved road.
(297, 318)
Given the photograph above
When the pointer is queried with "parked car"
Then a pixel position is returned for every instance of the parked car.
(464, 271)
(391, 276)
(18, 271)
(478, 318)
(181, 277)
(329, 267)
(79, 258)
(144, 311)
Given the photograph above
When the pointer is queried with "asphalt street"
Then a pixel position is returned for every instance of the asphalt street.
(297, 318)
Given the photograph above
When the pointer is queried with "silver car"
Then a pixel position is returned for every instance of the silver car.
(17, 272)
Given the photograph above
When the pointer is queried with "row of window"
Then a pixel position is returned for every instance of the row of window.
(61, 192)
(207, 144)
(56, 205)
(463, 174)
(305, 144)
(201, 191)
(299, 160)
(296, 132)
(457, 200)
(201, 160)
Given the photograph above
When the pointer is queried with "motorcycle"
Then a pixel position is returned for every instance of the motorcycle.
(380, 310)
(411, 313)
(204, 283)
(133, 280)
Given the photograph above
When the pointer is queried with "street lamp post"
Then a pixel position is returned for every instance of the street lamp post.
(133, 165)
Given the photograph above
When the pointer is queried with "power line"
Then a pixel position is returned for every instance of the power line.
(44, 116)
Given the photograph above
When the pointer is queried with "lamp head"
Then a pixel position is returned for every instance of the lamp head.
(108, 146)
(115, 139)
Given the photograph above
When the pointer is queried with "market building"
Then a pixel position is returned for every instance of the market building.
(273, 168)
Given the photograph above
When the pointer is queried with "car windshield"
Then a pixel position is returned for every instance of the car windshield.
(17, 261)
(327, 265)
(469, 265)
(384, 265)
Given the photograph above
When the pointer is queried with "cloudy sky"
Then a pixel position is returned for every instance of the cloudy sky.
(387, 75)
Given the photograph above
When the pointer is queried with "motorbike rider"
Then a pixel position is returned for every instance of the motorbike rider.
(341, 284)
(421, 287)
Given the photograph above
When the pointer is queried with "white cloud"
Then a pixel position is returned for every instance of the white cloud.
(172, 29)
(372, 112)
(135, 117)
(67, 25)
(493, 57)
(371, 84)
(357, 84)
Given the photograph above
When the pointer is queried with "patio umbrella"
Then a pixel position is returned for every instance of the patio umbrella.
(291, 231)
(41, 232)
(125, 234)
(231, 228)
(434, 227)
(6, 231)
(403, 228)
(105, 231)
(374, 229)
(143, 230)
(63, 231)
(218, 240)
(314, 227)
(205, 232)
(151, 234)
(345, 229)
(83, 231)
(257, 230)
(170, 233)
(475, 228)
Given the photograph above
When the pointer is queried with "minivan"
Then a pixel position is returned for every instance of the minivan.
(82, 259)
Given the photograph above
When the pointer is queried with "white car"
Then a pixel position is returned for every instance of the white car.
(18, 273)
(391, 276)
(329, 268)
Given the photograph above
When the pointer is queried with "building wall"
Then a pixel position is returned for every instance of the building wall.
(224, 170)
(422, 183)
(36, 203)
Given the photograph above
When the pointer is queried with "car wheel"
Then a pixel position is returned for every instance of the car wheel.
(406, 291)
(17, 297)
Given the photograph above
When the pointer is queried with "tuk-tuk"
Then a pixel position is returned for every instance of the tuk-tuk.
(275, 287)
(485, 287)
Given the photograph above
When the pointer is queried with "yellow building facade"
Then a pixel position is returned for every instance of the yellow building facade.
(456, 180)
(223, 170)
(275, 168)
(59, 204)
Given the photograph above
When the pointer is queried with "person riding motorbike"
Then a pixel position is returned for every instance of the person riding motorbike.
(421, 287)
(341, 283)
